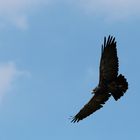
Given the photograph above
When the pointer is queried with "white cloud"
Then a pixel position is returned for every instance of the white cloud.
(112, 9)
(15, 12)
(8, 74)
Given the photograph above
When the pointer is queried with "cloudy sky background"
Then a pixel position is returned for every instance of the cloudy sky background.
(49, 59)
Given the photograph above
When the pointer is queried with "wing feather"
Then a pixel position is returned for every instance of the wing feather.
(109, 61)
(95, 103)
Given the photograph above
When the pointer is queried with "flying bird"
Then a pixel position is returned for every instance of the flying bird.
(110, 82)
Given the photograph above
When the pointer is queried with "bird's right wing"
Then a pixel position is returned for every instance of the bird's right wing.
(95, 103)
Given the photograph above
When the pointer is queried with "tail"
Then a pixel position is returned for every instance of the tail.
(120, 87)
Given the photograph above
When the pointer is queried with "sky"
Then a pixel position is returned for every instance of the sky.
(49, 63)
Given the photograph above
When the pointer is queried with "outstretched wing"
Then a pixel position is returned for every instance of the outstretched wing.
(109, 61)
(95, 103)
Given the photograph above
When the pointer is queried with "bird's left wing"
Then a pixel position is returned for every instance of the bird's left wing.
(95, 103)
(109, 64)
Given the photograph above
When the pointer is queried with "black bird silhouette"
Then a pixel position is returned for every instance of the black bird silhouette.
(110, 83)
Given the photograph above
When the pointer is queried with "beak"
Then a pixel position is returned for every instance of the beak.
(92, 92)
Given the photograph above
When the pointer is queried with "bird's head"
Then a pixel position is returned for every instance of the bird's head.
(95, 90)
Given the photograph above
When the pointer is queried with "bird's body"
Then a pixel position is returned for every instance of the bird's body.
(110, 83)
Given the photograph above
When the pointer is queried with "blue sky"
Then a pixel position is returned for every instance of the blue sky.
(49, 60)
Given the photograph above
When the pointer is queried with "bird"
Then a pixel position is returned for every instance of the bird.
(110, 82)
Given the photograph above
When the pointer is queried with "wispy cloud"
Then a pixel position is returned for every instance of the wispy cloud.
(8, 75)
(15, 12)
(112, 9)
(92, 75)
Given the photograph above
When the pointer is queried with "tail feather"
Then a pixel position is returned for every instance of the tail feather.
(121, 85)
